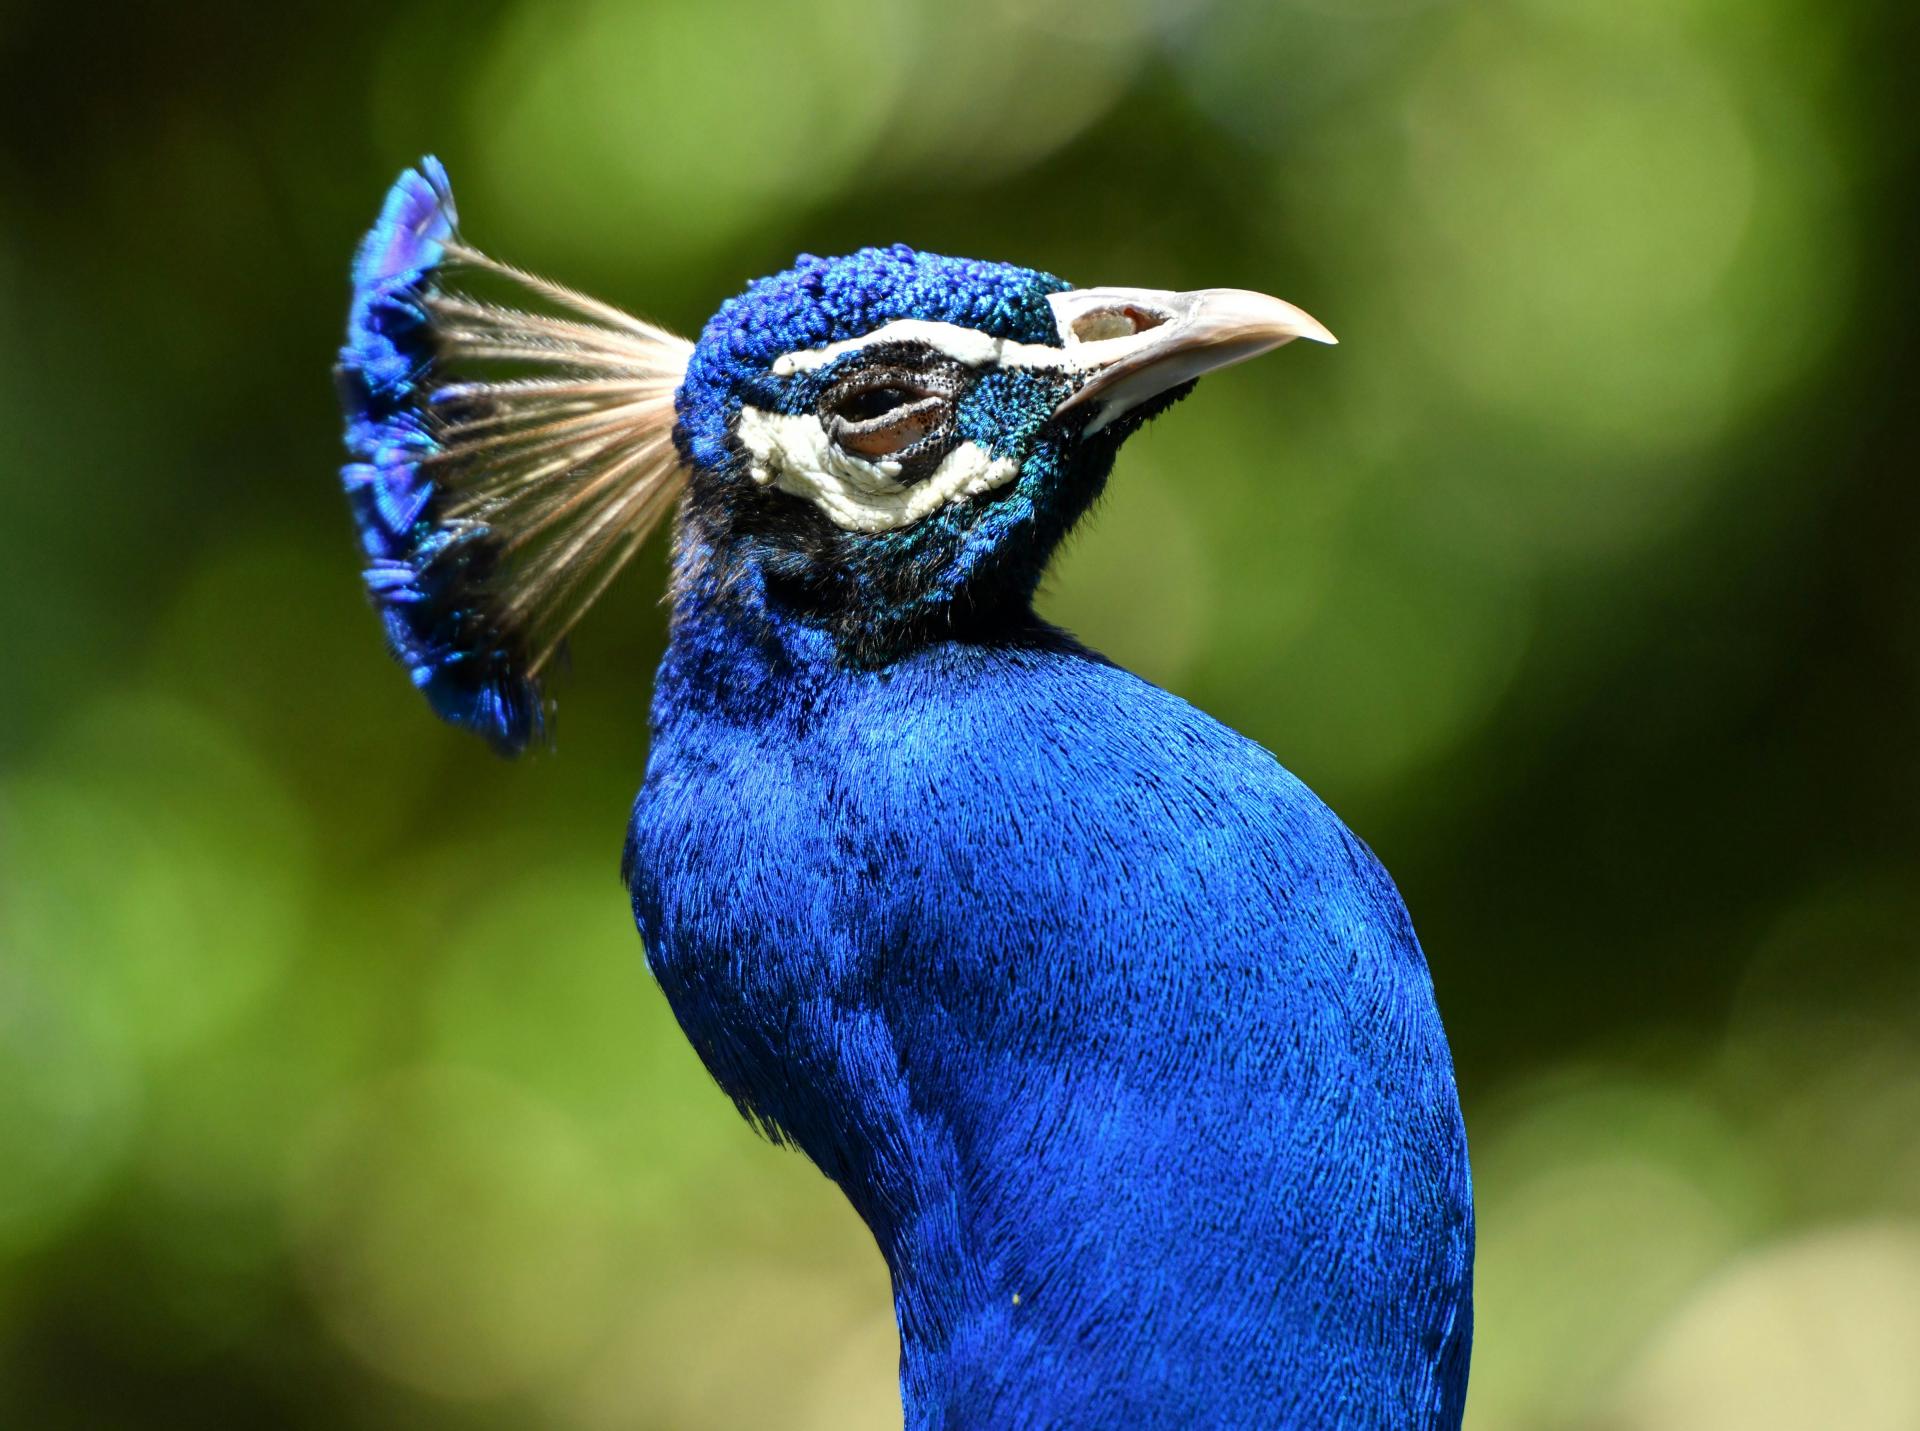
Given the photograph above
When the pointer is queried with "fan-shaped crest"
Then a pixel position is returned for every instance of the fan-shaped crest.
(513, 445)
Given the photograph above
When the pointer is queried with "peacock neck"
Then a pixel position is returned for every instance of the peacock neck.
(742, 639)
(875, 607)
(938, 1185)
(923, 922)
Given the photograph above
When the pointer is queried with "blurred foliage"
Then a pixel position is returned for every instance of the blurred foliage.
(333, 1091)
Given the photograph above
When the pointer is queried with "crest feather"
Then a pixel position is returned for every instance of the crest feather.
(510, 456)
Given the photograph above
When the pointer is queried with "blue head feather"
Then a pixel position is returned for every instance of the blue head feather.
(827, 300)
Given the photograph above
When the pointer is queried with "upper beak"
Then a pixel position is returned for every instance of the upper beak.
(1135, 343)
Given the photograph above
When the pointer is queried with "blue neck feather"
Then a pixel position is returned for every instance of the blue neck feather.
(1142, 1092)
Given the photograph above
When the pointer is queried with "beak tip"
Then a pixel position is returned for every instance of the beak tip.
(1315, 331)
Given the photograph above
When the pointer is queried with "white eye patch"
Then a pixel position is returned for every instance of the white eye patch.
(1090, 341)
(968, 346)
(792, 452)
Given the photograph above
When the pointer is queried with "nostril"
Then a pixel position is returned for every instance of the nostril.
(1119, 322)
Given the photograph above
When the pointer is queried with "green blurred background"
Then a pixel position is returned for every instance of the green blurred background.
(333, 1089)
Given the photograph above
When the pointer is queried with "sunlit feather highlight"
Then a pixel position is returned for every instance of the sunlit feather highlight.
(511, 456)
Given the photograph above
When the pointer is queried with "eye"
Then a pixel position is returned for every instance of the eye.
(882, 414)
(873, 402)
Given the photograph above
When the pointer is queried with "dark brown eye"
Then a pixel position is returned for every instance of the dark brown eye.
(895, 405)
(873, 402)
(883, 416)
(895, 430)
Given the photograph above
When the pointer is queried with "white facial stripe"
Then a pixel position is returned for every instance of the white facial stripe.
(964, 345)
(792, 451)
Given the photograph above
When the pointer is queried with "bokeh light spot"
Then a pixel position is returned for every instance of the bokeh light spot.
(614, 132)
(151, 839)
(68, 1090)
(1571, 245)
(551, 991)
(1601, 1202)
(812, 1336)
(454, 1232)
(293, 614)
(993, 88)
(1819, 1331)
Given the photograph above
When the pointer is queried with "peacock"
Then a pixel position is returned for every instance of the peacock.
(1116, 1038)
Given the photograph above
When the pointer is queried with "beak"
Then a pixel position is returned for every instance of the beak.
(1135, 343)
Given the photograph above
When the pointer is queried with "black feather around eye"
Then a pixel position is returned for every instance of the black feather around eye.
(896, 403)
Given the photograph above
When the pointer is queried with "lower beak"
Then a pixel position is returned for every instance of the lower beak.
(1133, 344)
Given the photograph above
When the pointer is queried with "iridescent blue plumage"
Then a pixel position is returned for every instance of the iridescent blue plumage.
(1119, 1041)
(422, 570)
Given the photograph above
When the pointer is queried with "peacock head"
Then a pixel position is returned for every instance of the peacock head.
(887, 445)
(895, 441)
